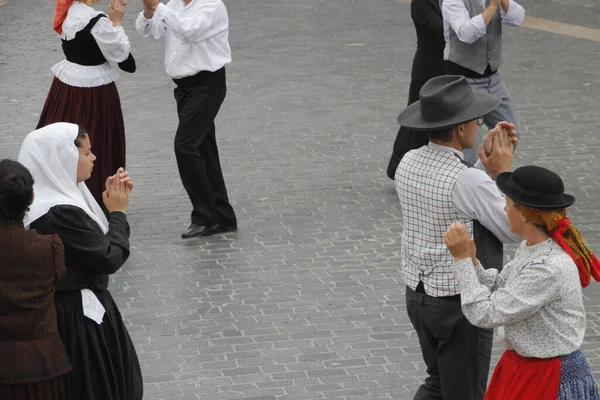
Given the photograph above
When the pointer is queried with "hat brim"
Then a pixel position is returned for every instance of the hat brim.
(562, 201)
(411, 117)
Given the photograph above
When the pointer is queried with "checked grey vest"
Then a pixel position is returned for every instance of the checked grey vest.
(424, 181)
(485, 50)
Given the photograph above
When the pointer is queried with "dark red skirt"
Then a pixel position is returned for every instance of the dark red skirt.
(51, 389)
(519, 378)
(98, 109)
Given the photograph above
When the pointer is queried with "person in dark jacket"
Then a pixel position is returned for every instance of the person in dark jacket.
(34, 362)
(428, 63)
(105, 363)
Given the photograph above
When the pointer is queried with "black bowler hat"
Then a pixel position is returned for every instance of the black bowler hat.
(535, 187)
(445, 102)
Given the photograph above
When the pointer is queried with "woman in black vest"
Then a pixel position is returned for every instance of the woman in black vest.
(83, 91)
(428, 63)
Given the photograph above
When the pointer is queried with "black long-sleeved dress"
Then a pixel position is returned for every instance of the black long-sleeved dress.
(105, 364)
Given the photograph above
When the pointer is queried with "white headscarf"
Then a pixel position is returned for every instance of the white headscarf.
(51, 156)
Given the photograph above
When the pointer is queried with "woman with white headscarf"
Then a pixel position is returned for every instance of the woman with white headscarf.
(105, 364)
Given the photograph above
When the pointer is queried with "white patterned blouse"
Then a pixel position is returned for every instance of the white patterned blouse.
(537, 298)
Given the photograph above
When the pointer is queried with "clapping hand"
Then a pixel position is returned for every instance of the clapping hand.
(121, 176)
(459, 243)
(116, 11)
(151, 4)
(118, 191)
(149, 7)
(503, 139)
(503, 125)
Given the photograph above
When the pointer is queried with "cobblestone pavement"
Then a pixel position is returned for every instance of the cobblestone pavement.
(306, 300)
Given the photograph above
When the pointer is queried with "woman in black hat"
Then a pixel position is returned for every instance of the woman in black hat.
(537, 296)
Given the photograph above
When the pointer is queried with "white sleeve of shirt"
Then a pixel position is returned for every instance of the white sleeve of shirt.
(515, 14)
(152, 27)
(112, 40)
(466, 28)
(510, 304)
(476, 196)
(487, 277)
(209, 20)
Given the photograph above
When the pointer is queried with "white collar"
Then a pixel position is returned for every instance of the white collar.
(447, 149)
(78, 16)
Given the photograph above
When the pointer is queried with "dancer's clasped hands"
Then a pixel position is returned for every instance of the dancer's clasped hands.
(118, 191)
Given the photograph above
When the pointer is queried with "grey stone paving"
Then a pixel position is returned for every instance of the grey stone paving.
(579, 12)
(306, 300)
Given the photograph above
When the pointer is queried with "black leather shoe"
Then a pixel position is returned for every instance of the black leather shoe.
(199, 230)
(224, 227)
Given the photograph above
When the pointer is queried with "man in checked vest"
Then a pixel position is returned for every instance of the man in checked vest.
(473, 34)
(436, 187)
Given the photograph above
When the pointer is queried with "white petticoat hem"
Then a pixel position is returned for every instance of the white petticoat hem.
(85, 76)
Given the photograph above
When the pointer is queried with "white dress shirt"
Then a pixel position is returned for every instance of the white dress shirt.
(196, 35)
(537, 298)
(112, 41)
(476, 196)
(456, 17)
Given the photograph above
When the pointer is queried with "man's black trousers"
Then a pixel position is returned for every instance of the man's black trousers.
(199, 99)
(456, 353)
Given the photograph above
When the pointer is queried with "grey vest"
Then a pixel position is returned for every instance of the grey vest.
(485, 50)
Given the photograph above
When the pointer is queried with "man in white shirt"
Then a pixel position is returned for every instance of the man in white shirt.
(473, 34)
(436, 187)
(196, 51)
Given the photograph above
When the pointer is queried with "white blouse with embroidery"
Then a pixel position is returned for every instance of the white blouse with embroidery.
(537, 298)
(112, 41)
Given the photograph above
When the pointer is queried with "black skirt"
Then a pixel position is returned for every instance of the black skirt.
(105, 364)
(51, 389)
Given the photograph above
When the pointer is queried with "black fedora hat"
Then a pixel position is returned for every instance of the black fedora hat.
(444, 102)
(535, 187)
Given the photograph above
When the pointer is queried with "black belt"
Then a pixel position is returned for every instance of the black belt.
(208, 78)
(421, 289)
(455, 69)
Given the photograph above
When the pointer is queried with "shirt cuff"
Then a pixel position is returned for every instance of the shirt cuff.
(465, 273)
(161, 11)
(479, 24)
(144, 19)
(504, 14)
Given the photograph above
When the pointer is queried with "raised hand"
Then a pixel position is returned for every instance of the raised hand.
(503, 125)
(116, 11)
(459, 243)
(150, 7)
(116, 198)
(500, 159)
(151, 4)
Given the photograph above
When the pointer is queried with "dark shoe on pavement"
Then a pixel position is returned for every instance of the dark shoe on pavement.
(224, 227)
(199, 230)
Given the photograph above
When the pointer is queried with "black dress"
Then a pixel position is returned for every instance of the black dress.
(428, 63)
(105, 364)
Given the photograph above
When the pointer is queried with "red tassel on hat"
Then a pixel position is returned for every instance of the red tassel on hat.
(584, 275)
